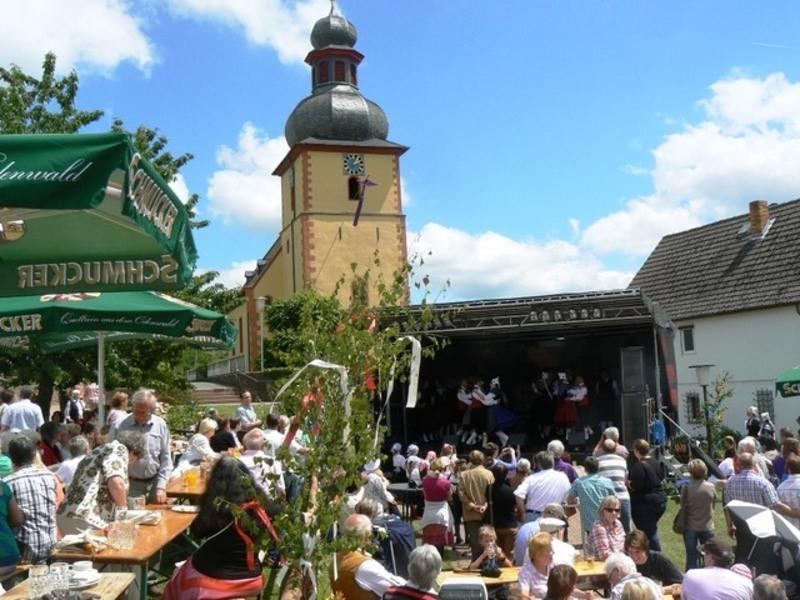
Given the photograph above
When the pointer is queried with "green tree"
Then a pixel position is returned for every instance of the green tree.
(45, 105)
(341, 430)
(153, 146)
(718, 397)
(48, 105)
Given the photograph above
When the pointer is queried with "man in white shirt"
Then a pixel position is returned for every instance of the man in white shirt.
(540, 489)
(246, 413)
(356, 570)
(22, 415)
(620, 569)
(269, 477)
(730, 466)
(75, 406)
(274, 439)
(716, 580)
(78, 449)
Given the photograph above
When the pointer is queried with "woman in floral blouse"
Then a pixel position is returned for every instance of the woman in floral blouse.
(607, 535)
(100, 484)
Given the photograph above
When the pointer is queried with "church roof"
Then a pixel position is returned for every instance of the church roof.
(722, 268)
(336, 108)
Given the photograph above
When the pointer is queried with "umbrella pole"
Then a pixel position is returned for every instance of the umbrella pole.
(101, 378)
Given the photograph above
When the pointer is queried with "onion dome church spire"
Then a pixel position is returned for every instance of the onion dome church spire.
(336, 109)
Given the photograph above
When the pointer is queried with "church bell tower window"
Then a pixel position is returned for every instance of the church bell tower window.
(353, 188)
(322, 70)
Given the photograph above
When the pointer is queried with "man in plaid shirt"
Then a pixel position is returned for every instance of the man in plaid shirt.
(34, 489)
(748, 486)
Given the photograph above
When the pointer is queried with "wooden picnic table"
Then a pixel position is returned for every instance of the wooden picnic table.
(110, 587)
(510, 575)
(180, 489)
(149, 541)
(585, 569)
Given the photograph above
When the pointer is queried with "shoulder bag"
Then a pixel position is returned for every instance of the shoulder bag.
(679, 522)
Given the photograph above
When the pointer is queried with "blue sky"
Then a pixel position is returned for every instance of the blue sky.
(552, 143)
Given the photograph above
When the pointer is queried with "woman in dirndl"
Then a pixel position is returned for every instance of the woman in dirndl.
(437, 520)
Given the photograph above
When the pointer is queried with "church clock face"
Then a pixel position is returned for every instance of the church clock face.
(353, 164)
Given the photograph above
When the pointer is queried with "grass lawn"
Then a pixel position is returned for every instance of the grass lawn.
(672, 543)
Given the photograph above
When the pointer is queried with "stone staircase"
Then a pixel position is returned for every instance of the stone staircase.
(205, 392)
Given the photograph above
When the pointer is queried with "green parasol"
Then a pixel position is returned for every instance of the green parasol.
(87, 213)
(787, 384)
(57, 322)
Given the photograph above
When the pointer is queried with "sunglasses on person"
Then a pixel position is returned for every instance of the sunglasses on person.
(614, 510)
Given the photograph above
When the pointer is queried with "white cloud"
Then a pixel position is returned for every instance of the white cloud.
(745, 149)
(408, 199)
(638, 228)
(244, 191)
(635, 170)
(233, 276)
(492, 265)
(95, 35)
(178, 185)
(282, 24)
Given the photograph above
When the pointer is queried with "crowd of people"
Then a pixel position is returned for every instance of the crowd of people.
(511, 511)
(494, 507)
(65, 475)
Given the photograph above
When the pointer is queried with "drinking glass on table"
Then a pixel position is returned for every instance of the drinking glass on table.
(59, 579)
(39, 580)
(122, 531)
(137, 502)
(192, 476)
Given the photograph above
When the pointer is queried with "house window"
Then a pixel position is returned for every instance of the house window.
(687, 339)
(694, 407)
(353, 75)
(765, 401)
(338, 70)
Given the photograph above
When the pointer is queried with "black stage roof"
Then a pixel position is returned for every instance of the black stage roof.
(561, 314)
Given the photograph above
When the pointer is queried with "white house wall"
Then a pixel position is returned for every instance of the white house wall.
(753, 347)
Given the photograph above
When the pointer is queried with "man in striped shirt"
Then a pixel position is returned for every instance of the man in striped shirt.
(35, 491)
(747, 486)
(613, 466)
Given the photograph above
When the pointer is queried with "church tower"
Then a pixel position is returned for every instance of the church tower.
(340, 185)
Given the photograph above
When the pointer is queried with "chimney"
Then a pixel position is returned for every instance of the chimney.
(759, 216)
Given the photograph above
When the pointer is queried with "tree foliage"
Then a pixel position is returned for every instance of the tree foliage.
(48, 105)
(45, 105)
(152, 145)
(342, 429)
(719, 395)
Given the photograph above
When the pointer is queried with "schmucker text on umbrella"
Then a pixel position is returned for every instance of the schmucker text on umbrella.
(120, 272)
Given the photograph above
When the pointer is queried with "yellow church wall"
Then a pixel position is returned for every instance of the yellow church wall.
(238, 316)
(275, 281)
(336, 244)
(286, 197)
(328, 183)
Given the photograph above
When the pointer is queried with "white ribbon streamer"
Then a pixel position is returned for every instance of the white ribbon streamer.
(413, 377)
(413, 382)
(346, 394)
